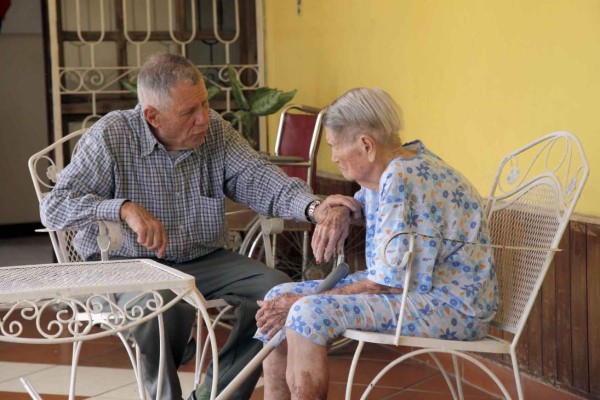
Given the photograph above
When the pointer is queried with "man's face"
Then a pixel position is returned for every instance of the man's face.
(184, 124)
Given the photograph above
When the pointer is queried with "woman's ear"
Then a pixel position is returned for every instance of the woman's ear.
(369, 147)
(151, 115)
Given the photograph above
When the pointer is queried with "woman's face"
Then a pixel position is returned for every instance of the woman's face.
(350, 156)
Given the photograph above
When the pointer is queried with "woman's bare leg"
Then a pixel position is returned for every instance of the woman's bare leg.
(307, 370)
(274, 367)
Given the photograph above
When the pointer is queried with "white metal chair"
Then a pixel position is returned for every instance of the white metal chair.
(529, 206)
(44, 171)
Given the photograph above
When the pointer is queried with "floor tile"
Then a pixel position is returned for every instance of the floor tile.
(437, 384)
(11, 370)
(91, 381)
(400, 376)
(25, 396)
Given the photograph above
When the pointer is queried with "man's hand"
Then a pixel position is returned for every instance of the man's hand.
(150, 232)
(336, 200)
(333, 218)
(271, 316)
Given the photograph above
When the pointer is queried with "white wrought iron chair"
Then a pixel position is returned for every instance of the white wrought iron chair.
(529, 206)
(44, 171)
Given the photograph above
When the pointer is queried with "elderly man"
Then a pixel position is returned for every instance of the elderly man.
(164, 169)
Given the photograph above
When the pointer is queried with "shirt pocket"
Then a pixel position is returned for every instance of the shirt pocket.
(207, 226)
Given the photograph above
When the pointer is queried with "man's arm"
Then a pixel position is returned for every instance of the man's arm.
(84, 189)
(252, 180)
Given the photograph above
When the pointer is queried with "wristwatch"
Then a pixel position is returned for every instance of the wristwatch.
(310, 211)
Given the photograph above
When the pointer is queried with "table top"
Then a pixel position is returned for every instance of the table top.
(86, 278)
(59, 303)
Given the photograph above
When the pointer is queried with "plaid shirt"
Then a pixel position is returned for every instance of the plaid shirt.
(119, 159)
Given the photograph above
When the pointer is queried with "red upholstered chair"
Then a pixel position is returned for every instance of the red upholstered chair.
(298, 136)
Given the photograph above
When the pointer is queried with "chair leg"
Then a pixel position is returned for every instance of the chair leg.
(135, 361)
(458, 377)
(431, 352)
(515, 364)
(161, 330)
(30, 389)
(74, 362)
(140, 373)
(199, 360)
(353, 369)
(203, 349)
(444, 374)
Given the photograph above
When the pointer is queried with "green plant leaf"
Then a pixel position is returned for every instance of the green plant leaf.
(286, 97)
(268, 101)
(213, 91)
(130, 85)
(248, 121)
(236, 89)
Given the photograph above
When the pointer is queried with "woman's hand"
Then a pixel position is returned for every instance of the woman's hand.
(333, 218)
(272, 314)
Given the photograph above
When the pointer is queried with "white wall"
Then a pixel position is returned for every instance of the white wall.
(23, 128)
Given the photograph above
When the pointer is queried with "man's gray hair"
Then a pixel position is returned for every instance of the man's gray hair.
(159, 74)
(364, 110)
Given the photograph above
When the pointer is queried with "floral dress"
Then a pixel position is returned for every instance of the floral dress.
(453, 291)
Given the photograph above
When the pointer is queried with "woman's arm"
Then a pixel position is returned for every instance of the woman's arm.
(272, 314)
(365, 286)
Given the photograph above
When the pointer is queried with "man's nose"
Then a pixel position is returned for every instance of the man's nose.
(201, 117)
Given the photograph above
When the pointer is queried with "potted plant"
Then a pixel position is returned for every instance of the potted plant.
(264, 101)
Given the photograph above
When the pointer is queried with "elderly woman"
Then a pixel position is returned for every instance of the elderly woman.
(403, 188)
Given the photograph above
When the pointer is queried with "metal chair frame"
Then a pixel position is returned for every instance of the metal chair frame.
(527, 211)
(110, 237)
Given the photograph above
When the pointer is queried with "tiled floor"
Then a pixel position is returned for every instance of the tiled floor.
(105, 373)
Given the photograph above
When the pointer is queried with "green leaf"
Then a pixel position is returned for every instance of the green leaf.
(238, 116)
(213, 91)
(236, 89)
(248, 121)
(130, 85)
(286, 97)
(268, 101)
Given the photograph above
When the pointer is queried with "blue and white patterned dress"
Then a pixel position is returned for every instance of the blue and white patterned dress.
(453, 293)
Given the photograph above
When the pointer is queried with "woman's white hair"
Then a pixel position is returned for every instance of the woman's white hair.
(159, 74)
(364, 110)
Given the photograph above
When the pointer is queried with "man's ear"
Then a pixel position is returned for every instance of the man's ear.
(151, 115)
(368, 145)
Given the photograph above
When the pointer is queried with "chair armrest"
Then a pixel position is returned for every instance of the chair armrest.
(110, 237)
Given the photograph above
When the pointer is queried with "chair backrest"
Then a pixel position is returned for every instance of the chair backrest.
(44, 170)
(529, 206)
(299, 134)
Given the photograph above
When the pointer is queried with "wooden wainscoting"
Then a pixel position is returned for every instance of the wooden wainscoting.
(561, 344)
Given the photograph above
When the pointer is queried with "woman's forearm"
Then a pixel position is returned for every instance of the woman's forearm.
(364, 287)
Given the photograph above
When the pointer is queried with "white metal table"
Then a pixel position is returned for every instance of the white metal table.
(77, 294)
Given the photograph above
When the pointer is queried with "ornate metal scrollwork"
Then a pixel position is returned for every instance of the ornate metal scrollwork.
(65, 318)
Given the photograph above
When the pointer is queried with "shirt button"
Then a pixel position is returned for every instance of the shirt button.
(177, 194)
(181, 228)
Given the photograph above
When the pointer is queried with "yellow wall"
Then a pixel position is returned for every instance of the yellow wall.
(475, 78)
